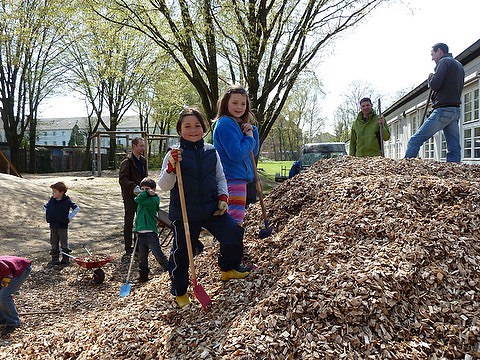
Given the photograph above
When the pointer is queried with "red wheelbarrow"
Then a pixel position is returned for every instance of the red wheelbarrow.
(92, 262)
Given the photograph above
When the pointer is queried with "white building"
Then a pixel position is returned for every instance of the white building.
(404, 116)
(57, 131)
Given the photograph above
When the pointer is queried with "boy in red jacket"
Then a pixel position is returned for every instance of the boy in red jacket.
(13, 272)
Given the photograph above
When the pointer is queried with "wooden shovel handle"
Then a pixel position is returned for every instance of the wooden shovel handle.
(183, 205)
(382, 149)
(426, 107)
(259, 187)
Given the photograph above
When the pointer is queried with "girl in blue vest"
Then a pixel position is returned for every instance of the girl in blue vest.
(206, 198)
(235, 138)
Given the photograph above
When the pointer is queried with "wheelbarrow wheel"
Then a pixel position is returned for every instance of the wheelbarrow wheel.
(98, 276)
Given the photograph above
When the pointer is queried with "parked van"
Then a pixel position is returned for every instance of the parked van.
(311, 153)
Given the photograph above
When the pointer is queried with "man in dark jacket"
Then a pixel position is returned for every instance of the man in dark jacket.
(447, 85)
(132, 170)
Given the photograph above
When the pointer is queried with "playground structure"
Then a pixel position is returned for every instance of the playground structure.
(128, 136)
(6, 166)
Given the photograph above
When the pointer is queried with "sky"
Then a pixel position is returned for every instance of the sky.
(390, 49)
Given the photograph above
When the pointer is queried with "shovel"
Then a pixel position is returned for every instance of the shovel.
(125, 289)
(382, 150)
(267, 230)
(426, 106)
(198, 290)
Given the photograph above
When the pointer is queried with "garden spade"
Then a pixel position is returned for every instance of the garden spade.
(198, 290)
(382, 150)
(429, 96)
(267, 230)
(125, 289)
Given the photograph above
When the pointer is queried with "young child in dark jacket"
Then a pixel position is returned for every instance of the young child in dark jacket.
(206, 198)
(146, 228)
(58, 215)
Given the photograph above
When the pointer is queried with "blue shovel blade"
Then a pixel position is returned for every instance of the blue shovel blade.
(125, 289)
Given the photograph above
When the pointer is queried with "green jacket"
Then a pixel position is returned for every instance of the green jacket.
(365, 136)
(148, 206)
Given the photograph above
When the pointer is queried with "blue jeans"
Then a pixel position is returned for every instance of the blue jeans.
(445, 119)
(8, 311)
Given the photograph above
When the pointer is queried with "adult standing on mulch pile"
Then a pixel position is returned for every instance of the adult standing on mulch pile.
(447, 85)
(365, 135)
(132, 170)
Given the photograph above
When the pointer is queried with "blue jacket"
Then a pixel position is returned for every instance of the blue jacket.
(234, 149)
(199, 165)
(57, 212)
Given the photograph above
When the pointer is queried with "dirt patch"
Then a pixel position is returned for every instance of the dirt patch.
(99, 223)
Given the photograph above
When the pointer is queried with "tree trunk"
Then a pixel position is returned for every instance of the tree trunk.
(32, 168)
(13, 138)
(87, 162)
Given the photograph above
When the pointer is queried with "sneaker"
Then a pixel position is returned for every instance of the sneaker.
(53, 263)
(143, 278)
(197, 248)
(183, 300)
(164, 264)
(7, 329)
(239, 272)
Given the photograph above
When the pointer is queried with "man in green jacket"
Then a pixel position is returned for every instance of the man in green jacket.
(365, 134)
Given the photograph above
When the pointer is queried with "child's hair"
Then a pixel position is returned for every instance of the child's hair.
(193, 112)
(223, 103)
(148, 182)
(59, 186)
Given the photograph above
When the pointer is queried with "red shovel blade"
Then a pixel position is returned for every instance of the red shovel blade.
(201, 295)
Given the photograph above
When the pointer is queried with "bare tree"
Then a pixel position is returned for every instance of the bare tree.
(31, 43)
(265, 45)
(113, 66)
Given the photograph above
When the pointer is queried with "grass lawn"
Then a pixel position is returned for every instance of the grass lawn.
(270, 168)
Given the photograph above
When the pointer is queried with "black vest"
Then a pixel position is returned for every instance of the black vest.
(57, 212)
(199, 181)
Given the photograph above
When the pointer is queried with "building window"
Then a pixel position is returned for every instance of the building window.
(430, 148)
(470, 107)
(414, 124)
(476, 143)
(471, 143)
(44, 143)
(63, 142)
(54, 133)
(45, 133)
(467, 143)
(444, 147)
(54, 143)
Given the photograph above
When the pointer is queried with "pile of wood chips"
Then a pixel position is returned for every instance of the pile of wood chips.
(371, 258)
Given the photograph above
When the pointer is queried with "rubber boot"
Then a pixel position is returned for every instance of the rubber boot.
(237, 273)
(182, 300)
